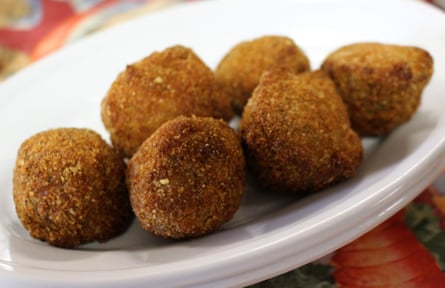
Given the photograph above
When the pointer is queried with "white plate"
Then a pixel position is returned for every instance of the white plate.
(269, 234)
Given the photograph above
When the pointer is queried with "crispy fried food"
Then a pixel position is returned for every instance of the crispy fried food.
(380, 84)
(187, 178)
(296, 133)
(69, 188)
(158, 88)
(240, 70)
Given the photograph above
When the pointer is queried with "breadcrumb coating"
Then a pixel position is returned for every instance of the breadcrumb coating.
(240, 70)
(69, 188)
(187, 178)
(158, 88)
(296, 133)
(381, 84)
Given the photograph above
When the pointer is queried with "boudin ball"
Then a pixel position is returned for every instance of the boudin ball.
(187, 179)
(69, 188)
(381, 84)
(239, 72)
(297, 135)
(158, 88)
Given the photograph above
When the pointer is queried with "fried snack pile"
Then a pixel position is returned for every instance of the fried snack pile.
(158, 88)
(69, 188)
(381, 84)
(239, 72)
(299, 133)
(187, 178)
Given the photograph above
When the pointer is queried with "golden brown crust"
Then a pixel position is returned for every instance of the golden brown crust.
(69, 188)
(156, 89)
(296, 133)
(240, 70)
(381, 84)
(187, 178)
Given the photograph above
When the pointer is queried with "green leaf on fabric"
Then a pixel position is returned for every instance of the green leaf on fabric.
(423, 221)
(437, 246)
(426, 226)
(313, 275)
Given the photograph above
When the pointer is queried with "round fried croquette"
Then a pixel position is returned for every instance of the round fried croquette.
(158, 88)
(69, 188)
(296, 133)
(187, 178)
(381, 84)
(239, 72)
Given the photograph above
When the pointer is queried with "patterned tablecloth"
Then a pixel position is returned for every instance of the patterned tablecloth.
(408, 250)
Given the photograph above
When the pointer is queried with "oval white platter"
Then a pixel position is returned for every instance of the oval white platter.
(270, 234)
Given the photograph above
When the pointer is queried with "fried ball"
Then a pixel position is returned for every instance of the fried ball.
(158, 88)
(296, 133)
(69, 188)
(240, 70)
(187, 178)
(380, 84)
